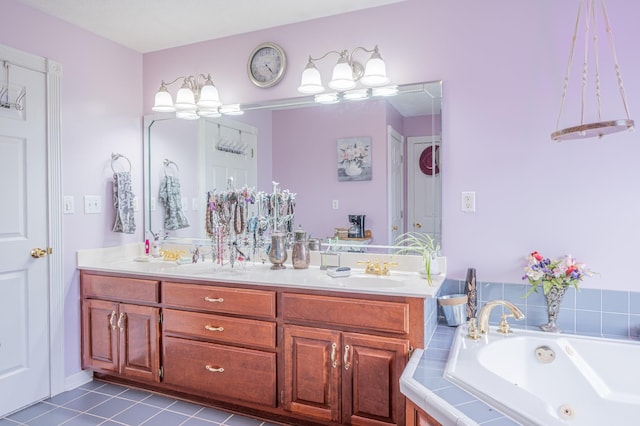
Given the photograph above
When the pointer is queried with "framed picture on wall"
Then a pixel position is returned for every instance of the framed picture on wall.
(354, 159)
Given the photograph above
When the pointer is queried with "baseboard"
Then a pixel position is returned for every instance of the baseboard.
(78, 379)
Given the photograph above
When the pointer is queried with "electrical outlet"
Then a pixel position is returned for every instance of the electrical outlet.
(68, 205)
(92, 204)
(334, 204)
(468, 202)
(153, 204)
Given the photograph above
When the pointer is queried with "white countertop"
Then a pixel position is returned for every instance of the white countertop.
(401, 282)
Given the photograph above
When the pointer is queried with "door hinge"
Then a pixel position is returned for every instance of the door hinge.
(410, 351)
(161, 372)
(281, 397)
(160, 318)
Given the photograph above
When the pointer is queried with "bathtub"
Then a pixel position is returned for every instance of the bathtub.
(547, 379)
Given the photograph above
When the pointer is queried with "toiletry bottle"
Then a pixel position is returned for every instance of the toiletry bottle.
(472, 294)
(155, 245)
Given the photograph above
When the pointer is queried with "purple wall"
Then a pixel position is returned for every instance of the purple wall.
(502, 64)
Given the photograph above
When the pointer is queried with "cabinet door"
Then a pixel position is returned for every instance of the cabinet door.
(312, 372)
(139, 342)
(371, 379)
(100, 335)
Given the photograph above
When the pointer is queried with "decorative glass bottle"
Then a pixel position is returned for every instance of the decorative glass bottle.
(300, 256)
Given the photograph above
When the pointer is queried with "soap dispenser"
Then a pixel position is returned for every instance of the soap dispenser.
(300, 256)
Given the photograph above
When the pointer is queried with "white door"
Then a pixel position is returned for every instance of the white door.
(24, 280)
(424, 186)
(395, 191)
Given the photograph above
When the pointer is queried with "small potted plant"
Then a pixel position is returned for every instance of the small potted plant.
(424, 245)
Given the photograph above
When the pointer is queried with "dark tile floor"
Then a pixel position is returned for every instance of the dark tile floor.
(100, 403)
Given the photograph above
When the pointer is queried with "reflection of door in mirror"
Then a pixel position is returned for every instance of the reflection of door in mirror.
(395, 192)
(207, 153)
(424, 189)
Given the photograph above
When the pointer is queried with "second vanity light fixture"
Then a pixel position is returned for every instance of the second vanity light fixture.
(346, 73)
(197, 97)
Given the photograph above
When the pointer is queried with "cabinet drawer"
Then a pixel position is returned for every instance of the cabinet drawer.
(125, 289)
(222, 371)
(373, 315)
(259, 303)
(261, 334)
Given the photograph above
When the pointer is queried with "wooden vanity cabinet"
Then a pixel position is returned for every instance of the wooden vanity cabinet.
(418, 417)
(343, 376)
(118, 337)
(298, 356)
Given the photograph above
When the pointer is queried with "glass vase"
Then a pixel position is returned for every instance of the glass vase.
(554, 298)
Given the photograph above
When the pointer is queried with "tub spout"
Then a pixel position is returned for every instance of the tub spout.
(483, 316)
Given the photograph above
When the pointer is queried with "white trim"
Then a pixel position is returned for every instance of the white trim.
(53, 73)
(78, 379)
(56, 265)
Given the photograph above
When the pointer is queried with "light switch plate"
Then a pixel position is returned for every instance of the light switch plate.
(92, 204)
(68, 205)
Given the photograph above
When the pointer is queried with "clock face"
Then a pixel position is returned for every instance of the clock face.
(267, 64)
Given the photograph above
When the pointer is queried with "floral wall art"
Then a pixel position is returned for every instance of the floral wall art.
(354, 159)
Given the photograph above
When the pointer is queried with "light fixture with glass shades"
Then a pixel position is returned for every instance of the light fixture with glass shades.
(602, 126)
(347, 72)
(197, 97)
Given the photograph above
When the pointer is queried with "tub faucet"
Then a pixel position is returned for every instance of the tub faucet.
(483, 316)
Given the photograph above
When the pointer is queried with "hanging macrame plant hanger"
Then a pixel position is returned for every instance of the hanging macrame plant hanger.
(599, 128)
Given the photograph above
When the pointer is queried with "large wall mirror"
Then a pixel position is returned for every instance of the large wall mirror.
(307, 149)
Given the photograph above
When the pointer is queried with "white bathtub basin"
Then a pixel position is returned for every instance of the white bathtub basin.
(550, 379)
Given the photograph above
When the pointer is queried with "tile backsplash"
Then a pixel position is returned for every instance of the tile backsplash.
(597, 312)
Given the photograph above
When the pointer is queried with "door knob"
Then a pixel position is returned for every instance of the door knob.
(418, 225)
(38, 252)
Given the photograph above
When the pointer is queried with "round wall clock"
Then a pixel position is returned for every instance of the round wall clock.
(267, 64)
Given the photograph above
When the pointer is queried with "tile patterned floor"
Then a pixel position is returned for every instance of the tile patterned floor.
(100, 403)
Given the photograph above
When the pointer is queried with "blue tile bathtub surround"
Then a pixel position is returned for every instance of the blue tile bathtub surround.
(597, 312)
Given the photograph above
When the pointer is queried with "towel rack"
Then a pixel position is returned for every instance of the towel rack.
(168, 163)
(115, 157)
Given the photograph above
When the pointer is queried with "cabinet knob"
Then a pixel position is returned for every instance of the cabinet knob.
(212, 328)
(211, 299)
(213, 369)
(112, 320)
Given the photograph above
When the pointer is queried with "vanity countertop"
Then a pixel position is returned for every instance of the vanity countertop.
(401, 282)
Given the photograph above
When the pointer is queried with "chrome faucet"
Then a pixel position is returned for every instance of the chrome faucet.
(483, 316)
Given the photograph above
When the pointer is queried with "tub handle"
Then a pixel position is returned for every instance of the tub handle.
(504, 327)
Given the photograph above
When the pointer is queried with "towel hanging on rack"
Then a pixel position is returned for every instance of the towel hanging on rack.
(123, 203)
(174, 217)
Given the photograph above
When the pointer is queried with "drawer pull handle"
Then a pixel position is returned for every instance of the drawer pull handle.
(334, 347)
(211, 299)
(212, 328)
(112, 320)
(213, 369)
(347, 363)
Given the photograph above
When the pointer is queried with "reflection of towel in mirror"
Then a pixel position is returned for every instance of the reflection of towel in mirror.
(174, 218)
(123, 203)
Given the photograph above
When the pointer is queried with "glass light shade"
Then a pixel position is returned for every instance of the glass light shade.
(311, 81)
(187, 114)
(342, 77)
(163, 102)
(384, 91)
(375, 72)
(356, 94)
(233, 109)
(209, 112)
(326, 98)
(209, 97)
(185, 98)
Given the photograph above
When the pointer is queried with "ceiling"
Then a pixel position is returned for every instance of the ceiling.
(150, 25)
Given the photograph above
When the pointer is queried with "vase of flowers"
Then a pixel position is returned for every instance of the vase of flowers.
(554, 276)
